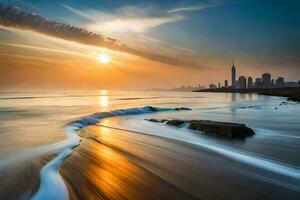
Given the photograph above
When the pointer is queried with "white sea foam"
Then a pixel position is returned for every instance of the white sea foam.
(185, 135)
(52, 185)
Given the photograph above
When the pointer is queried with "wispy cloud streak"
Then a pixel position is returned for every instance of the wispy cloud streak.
(199, 6)
(16, 18)
(125, 19)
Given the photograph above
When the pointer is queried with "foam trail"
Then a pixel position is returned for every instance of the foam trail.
(231, 153)
(262, 163)
(52, 185)
(250, 159)
(265, 132)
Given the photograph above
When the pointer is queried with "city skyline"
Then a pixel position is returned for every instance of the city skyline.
(247, 81)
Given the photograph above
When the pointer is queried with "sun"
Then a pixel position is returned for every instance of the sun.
(103, 58)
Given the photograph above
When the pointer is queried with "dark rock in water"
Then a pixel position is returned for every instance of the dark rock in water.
(153, 120)
(283, 103)
(183, 108)
(224, 129)
(163, 120)
(294, 98)
(175, 122)
(151, 108)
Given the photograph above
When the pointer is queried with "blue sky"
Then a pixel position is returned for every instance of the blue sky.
(257, 27)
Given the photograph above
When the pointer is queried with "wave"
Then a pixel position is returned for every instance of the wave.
(52, 185)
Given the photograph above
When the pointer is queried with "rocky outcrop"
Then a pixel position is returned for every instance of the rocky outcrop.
(222, 129)
(183, 108)
(175, 122)
(295, 97)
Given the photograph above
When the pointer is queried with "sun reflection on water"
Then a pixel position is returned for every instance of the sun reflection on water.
(103, 99)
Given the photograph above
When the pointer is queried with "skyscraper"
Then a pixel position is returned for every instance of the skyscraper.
(250, 82)
(226, 84)
(233, 75)
(280, 82)
(266, 79)
(242, 82)
(258, 83)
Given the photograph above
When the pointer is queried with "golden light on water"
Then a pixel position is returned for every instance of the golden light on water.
(103, 98)
(103, 58)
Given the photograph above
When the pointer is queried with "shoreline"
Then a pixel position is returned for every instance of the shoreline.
(119, 164)
(292, 94)
(114, 167)
(49, 175)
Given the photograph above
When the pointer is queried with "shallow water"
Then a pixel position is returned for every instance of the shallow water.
(32, 124)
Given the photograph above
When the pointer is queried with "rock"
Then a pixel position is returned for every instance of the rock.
(294, 98)
(183, 108)
(153, 120)
(175, 122)
(283, 103)
(151, 108)
(163, 120)
(224, 129)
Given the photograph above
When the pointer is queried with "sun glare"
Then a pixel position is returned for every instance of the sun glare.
(103, 58)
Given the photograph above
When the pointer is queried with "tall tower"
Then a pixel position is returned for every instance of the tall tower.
(233, 75)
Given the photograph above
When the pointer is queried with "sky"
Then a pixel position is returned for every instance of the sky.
(50, 44)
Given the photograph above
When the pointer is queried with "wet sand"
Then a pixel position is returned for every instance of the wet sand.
(111, 163)
(117, 164)
(98, 171)
(21, 180)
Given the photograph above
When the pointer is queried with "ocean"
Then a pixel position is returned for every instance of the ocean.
(104, 137)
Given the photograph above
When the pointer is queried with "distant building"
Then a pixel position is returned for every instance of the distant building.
(242, 82)
(250, 82)
(258, 83)
(279, 82)
(266, 79)
(233, 75)
(226, 84)
(212, 86)
(290, 84)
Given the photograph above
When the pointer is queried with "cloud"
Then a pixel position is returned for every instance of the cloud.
(14, 17)
(199, 6)
(125, 19)
(138, 25)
